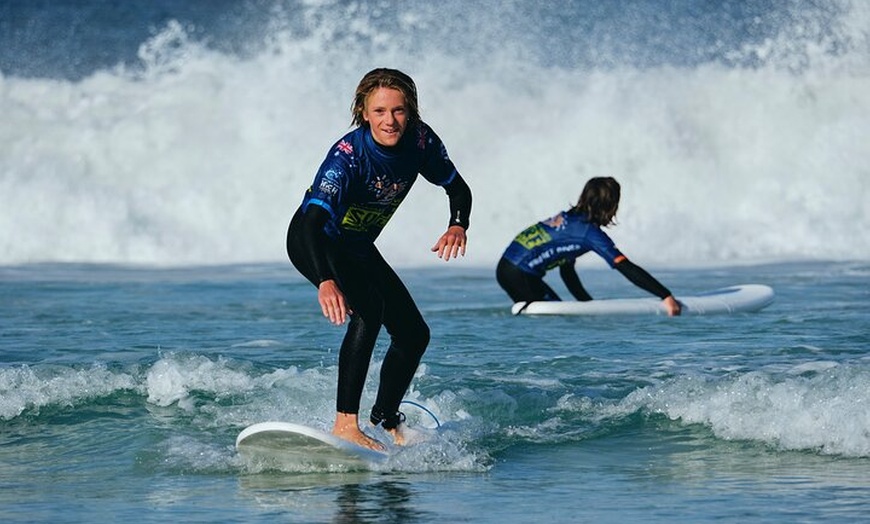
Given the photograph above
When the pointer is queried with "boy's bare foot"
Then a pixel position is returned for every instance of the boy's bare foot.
(398, 429)
(398, 435)
(347, 427)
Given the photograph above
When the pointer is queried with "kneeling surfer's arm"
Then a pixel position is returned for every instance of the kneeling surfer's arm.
(640, 278)
(572, 282)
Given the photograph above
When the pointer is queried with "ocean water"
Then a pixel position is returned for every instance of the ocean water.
(122, 390)
(152, 153)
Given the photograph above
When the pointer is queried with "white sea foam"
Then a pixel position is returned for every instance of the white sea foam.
(27, 388)
(825, 412)
(202, 156)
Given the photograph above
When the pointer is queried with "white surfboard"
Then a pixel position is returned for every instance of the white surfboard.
(734, 299)
(294, 447)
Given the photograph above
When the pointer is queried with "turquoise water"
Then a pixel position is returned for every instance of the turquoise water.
(122, 390)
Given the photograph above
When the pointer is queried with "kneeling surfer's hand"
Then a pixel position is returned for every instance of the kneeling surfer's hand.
(672, 306)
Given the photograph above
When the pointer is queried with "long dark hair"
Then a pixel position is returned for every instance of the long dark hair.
(384, 77)
(599, 200)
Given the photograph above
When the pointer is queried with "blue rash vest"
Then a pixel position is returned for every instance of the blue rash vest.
(361, 183)
(559, 240)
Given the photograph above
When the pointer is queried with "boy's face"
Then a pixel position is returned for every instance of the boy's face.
(387, 116)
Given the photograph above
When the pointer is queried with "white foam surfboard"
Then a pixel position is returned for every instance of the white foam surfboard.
(734, 299)
(295, 447)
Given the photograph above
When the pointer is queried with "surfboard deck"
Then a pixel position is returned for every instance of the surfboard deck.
(744, 298)
(295, 447)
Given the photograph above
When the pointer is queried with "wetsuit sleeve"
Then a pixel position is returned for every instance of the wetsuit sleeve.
(460, 201)
(572, 282)
(640, 278)
(314, 237)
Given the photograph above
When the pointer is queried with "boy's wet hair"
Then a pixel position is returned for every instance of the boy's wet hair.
(390, 78)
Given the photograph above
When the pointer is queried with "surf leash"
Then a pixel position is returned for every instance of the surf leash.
(424, 408)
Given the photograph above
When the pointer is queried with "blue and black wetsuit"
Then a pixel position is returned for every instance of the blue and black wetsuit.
(557, 242)
(357, 189)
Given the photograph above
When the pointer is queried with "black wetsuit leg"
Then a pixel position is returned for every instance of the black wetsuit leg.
(409, 336)
(377, 297)
(522, 286)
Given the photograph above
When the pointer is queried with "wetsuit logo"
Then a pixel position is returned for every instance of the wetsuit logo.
(557, 222)
(385, 190)
(362, 218)
(329, 185)
(444, 154)
(533, 236)
(345, 147)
